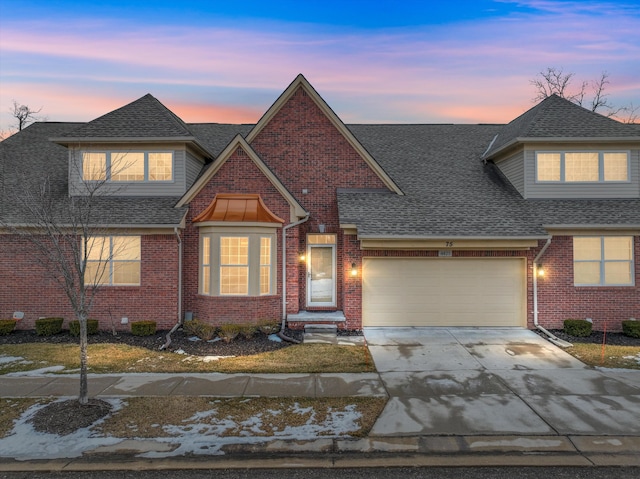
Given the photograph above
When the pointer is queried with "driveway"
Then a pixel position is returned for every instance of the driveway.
(475, 381)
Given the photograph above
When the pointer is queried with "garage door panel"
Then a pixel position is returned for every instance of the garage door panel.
(444, 292)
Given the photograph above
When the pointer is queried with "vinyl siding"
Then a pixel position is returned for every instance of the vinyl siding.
(513, 169)
(193, 168)
(629, 189)
(175, 187)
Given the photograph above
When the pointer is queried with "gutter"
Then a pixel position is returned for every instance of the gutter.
(179, 322)
(284, 275)
(552, 338)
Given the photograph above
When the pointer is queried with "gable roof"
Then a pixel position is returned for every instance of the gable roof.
(556, 118)
(301, 82)
(239, 142)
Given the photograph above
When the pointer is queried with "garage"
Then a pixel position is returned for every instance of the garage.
(444, 292)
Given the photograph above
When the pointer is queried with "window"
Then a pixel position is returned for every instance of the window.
(603, 260)
(113, 260)
(237, 264)
(127, 166)
(582, 166)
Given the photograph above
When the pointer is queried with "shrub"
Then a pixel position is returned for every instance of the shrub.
(268, 326)
(6, 326)
(229, 332)
(631, 328)
(48, 326)
(143, 328)
(248, 330)
(580, 328)
(204, 331)
(74, 327)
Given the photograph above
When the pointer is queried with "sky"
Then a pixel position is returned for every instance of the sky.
(458, 61)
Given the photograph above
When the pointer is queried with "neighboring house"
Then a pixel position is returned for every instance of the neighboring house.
(304, 217)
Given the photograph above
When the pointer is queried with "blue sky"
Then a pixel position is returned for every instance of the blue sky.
(409, 61)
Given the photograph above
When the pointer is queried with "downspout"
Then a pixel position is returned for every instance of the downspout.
(179, 322)
(553, 338)
(284, 275)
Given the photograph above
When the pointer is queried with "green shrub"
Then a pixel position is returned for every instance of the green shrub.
(229, 332)
(204, 331)
(6, 326)
(579, 328)
(268, 326)
(248, 331)
(48, 326)
(631, 328)
(143, 328)
(74, 327)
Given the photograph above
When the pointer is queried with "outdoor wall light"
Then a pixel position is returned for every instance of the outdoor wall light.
(302, 257)
(540, 271)
(354, 270)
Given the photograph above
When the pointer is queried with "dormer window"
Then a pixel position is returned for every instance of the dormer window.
(127, 166)
(582, 166)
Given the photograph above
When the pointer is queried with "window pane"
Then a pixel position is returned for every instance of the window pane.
(126, 248)
(616, 167)
(94, 166)
(617, 272)
(127, 166)
(206, 280)
(265, 265)
(160, 166)
(234, 251)
(586, 273)
(96, 273)
(587, 249)
(618, 248)
(265, 279)
(206, 262)
(234, 280)
(581, 167)
(321, 239)
(548, 166)
(127, 272)
(98, 248)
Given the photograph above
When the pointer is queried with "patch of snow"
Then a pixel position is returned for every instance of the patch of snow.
(275, 338)
(194, 338)
(13, 359)
(635, 358)
(36, 372)
(206, 359)
(214, 340)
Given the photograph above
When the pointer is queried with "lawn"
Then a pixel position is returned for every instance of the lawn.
(626, 357)
(121, 358)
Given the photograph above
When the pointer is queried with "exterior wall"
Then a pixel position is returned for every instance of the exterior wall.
(176, 187)
(192, 169)
(513, 169)
(237, 175)
(559, 299)
(629, 189)
(28, 287)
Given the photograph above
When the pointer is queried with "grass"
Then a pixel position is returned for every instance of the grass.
(238, 417)
(10, 411)
(626, 357)
(119, 358)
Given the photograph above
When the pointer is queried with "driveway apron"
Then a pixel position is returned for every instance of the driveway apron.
(498, 381)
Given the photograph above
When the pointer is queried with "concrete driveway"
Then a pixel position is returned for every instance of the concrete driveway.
(474, 381)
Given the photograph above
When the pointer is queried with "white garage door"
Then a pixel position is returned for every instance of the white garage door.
(443, 292)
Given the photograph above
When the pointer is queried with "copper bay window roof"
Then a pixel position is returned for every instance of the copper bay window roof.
(247, 208)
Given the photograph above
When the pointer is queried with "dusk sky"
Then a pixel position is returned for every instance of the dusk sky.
(458, 61)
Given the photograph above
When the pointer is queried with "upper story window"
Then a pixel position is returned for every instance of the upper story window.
(603, 260)
(582, 166)
(131, 166)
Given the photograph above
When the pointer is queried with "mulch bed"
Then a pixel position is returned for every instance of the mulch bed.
(597, 337)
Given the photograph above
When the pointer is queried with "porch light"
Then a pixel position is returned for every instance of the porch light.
(354, 270)
(302, 257)
(540, 271)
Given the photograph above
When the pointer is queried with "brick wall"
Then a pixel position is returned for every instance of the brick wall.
(27, 286)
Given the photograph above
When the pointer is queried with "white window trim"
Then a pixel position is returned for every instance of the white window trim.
(109, 268)
(146, 179)
(602, 263)
(600, 180)
(254, 234)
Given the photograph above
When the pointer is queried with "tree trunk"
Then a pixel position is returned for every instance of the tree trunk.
(83, 398)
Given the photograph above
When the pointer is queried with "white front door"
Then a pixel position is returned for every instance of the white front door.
(321, 271)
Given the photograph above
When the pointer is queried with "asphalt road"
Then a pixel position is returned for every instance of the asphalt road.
(361, 473)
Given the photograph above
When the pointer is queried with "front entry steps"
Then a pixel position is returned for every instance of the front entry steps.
(320, 334)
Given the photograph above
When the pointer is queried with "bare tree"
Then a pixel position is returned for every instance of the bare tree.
(589, 94)
(75, 249)
(23, 114)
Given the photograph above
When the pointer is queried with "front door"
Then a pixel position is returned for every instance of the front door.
(321, 270)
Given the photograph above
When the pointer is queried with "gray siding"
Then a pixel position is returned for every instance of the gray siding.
(629, 189)
(513, 169)
(176, 187)
(193, 168)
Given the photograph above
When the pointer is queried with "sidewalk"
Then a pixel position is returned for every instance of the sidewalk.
(405, 450)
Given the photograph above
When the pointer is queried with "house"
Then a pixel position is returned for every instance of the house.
(305, 218)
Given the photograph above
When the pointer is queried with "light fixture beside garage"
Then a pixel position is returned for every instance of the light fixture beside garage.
(540, 270)
(354, 269)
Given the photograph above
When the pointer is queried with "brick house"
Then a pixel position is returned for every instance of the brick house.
(305, 218)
